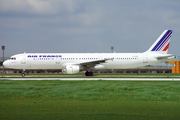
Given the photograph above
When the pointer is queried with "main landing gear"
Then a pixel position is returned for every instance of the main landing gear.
(88, 73)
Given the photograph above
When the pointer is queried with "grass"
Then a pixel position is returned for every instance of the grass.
(105, 75)
(89, 100)
(71, 109)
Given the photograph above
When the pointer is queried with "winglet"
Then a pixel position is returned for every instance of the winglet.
(161, 45)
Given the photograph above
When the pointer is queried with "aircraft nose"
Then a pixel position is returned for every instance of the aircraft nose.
(5, 64)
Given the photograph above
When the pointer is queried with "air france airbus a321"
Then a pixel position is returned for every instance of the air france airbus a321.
(71, 63)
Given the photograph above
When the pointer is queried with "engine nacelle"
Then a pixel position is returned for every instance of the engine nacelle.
(71, 69)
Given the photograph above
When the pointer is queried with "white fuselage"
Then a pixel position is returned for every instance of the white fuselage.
(61, 60)
(74, 62)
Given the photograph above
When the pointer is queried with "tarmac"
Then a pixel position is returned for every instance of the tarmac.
(88, 78)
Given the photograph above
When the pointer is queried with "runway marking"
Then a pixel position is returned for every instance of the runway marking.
(115, 79)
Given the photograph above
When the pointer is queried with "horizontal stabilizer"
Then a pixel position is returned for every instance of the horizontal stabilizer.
(167, 56)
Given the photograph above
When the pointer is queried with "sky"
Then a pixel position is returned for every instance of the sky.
(87, 26)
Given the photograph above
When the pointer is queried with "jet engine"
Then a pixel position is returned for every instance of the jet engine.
(71, 69)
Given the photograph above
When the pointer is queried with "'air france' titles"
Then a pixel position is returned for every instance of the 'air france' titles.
(44, 56)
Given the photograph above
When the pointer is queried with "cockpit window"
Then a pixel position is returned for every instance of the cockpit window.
(12, 58)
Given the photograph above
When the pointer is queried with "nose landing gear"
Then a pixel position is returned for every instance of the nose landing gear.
(23, 73)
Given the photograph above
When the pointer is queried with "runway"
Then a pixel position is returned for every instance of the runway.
(88, 78)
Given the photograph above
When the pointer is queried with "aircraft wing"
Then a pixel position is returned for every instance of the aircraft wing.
(91, 64)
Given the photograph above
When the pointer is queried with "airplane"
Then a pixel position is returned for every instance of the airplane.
(71, 63)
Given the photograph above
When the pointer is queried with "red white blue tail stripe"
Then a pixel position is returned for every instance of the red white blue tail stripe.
(163, 41)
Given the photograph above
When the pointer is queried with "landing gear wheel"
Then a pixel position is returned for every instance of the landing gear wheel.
(23, 74)
(86, 73)
(89, 73)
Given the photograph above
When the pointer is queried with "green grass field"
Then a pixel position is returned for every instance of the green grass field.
(112, 75)
(89, 100)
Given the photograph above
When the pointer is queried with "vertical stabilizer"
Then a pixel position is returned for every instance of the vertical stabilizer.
(161, 45)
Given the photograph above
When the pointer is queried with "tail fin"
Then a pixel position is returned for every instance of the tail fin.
(161, 45)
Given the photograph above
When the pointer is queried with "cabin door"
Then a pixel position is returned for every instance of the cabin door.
(145, 58)
(23, 60)
(57, 60)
